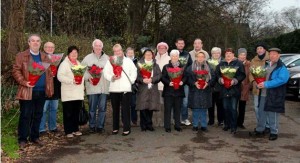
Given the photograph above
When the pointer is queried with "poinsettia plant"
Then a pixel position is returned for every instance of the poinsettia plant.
(201, 76)
(116, 63)
(55, 60)
(95, 72)
(259, 73)
(145, 69)
(78, 72)
(228, 74)
(175, 74)
(35, 71)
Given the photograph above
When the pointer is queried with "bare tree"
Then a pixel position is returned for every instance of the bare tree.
(292, 17)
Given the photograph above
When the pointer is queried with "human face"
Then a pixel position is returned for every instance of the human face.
(274, 56)
(97, 48)
(148, 56)
(229, 56)
(34, 43)
(216, 55)
(162, 50)
(174, 58)
(49, 48)
(118, 52)
(73, 55)
(198, 45)
(130, 54)
(180, 45)
(260, 50)
(242, 57)
(200, 57)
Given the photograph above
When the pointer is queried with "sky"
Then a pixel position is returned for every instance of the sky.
(278, 5)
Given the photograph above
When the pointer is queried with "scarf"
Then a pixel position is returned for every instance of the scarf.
(201, 66)
(73, 61)
(175, 64)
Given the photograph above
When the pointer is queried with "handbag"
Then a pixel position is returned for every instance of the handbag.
(134, 86)
(83, 115)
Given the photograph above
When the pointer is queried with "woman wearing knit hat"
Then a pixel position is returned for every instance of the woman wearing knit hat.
(242, 56)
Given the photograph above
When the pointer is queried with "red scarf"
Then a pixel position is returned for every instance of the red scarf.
(73, 61)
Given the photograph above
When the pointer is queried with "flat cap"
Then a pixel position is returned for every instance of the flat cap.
(275, 49)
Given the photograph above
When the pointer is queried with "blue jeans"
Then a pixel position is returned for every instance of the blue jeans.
(50, 110)
(262, 116)
(184, 107)
(199, 115)
(132, 109)
(230, 110)
(257, 109)
(97, 102)
(31, 112)
(273, 121)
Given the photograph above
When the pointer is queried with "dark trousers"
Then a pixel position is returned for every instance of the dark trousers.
(132, 109)
(71, 115)
(121, 101)
(31, 112)
(241, 116)
(146, 118)
(230, 108)
(175, 103)
(216, 100)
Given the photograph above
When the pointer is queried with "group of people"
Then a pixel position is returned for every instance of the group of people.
(157, 97)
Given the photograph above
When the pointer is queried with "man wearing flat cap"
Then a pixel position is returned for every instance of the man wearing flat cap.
(274, 90)
(259, 60)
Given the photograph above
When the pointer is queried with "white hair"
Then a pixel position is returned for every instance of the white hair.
(101, 43)
(216, 49)
(174, 52)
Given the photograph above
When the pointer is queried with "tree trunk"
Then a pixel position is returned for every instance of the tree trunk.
(15, 31)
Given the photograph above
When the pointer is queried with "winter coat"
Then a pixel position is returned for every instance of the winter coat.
(257, 62)
(162, 60)
(103, 85)
(245, 87)
(199, 98)
(20, 73)
(148, 98)
(235, 90)
(276, 88)
(169, 90)
(69, 90)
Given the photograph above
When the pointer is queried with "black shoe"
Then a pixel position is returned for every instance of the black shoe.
(100, 130)
(256, 133)
(22, 145)
(242, 126)
(54, 131)
(226, 128)
(126, 133)
(92, 130)
(115, 132)
(233, 131)
(220, 123)
(204, 129)
(210, 123)
(168, 130)
(42, 133)
(195, 129)
(143, 129)
(273, 137)
(267, 130)
(150, 128)
(178, 129)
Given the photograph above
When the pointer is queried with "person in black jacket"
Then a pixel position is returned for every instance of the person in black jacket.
(172, 97)
(185, 60)
(200, 96)
(232, 94)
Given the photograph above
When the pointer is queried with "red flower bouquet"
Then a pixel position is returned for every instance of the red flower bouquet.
(55, 60)
(116, 63)
(175, 75)
(78, 72)
(201, 77)
(95, 72)
(35, 71)
(145, 70)
(228, 74)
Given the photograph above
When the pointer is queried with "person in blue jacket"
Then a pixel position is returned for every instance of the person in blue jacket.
(275, 89)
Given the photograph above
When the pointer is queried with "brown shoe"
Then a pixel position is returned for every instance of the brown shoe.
(22, 145)
(38, 142)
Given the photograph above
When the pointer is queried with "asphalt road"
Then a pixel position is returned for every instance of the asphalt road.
(214, 146)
